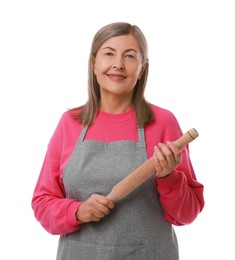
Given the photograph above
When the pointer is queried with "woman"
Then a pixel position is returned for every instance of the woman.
(98, 144)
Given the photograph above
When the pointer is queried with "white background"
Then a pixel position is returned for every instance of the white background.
(44, 47)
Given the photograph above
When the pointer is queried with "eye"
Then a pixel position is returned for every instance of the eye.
(130, 56)
(109, 53)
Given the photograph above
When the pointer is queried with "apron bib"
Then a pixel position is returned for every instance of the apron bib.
(135, 229)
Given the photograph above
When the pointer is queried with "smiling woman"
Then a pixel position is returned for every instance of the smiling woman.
(118, 65)
(98, 144)
(107, 33)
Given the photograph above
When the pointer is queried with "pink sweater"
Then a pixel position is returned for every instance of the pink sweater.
(181, 195)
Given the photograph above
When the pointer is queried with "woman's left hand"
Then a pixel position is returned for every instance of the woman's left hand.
(168, 156)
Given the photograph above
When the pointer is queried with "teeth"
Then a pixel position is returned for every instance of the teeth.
(116, 77)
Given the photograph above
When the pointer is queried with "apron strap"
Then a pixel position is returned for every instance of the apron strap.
(82, 134)
(141, 137)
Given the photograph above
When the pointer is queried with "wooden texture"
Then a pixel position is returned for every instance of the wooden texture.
(145, 170)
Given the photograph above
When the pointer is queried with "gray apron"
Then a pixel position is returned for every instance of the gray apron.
(135, 229)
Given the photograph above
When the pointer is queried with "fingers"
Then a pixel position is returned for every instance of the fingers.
(176, 151)
(94, 208)
(168, 156)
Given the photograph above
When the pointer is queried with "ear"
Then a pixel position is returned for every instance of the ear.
(144, 65)
(94, 67)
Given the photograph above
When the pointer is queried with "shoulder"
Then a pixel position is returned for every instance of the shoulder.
(67, 128)
(69, 118)
(162, 114)
(165, 124)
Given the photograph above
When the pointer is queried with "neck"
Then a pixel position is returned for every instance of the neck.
(115, 106)
(115, 110)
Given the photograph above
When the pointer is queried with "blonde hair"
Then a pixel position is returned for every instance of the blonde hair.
(142, 109)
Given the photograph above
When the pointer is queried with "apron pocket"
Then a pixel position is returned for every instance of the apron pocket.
(83, 251)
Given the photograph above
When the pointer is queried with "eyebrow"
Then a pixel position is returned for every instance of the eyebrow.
(110, 48)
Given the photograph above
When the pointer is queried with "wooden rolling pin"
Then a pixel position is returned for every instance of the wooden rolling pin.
(145, 170)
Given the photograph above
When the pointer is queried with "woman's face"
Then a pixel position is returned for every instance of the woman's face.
(118, 65)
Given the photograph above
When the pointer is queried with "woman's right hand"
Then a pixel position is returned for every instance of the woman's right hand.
(94, 208)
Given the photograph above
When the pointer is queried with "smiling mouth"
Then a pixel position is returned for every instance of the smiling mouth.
(116, 77)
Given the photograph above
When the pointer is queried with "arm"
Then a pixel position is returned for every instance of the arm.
(55, 212)
(181, 195)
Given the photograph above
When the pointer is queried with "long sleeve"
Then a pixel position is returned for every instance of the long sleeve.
(181, 195)
(55, 212)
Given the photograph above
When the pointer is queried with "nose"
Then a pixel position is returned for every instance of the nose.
(118, 67)
(118, 64)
